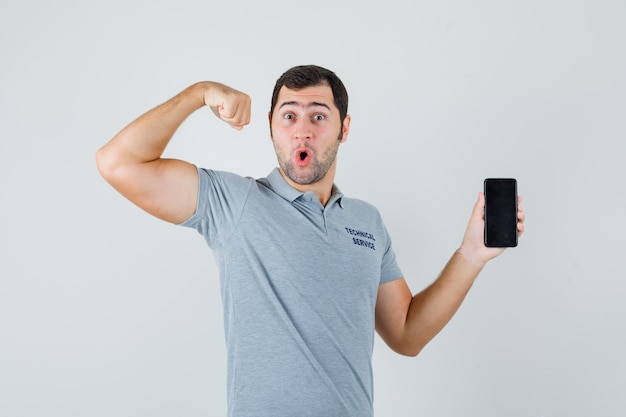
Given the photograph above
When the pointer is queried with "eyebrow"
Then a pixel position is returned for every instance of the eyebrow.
(308, 105)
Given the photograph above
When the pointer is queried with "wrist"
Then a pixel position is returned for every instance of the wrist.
(200, 92)
(471, 257)
(211, 93)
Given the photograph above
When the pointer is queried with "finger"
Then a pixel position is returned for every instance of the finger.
(227, 112)
(521, 216)
(479, 207)
(236, 121)
(237, 115)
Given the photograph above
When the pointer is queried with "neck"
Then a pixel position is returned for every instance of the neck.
(322, 188)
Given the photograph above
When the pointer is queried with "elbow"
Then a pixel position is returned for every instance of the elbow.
(403, 343)
(106, 164)
(412, 353)
(411, 349)
(101, 162)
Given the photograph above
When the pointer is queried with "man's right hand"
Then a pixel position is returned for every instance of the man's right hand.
(228, 104)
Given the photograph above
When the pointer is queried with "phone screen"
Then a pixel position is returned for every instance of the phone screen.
(500, 212)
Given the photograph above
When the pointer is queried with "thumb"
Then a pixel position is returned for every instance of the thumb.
(479, 207)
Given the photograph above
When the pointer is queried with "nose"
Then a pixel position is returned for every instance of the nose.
(303, 130)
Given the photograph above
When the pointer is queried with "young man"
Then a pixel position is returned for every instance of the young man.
(307, 274)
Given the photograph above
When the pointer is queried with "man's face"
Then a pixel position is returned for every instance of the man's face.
(306, 132)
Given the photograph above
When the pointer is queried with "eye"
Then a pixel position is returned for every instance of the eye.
(289, 116)
(318, 117)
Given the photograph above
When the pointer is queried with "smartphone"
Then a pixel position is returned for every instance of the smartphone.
(501, 212)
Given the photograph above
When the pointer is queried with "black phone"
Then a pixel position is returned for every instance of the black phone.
(501, 212)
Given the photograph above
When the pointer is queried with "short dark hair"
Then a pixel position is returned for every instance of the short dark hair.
(304, 76)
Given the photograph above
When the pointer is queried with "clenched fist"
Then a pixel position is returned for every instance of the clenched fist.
(228, 104)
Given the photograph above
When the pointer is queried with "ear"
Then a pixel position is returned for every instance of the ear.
(269, 119)
(345, 128)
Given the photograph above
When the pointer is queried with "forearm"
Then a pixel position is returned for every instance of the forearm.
(146, 138)
(431, 309)
(408, 322)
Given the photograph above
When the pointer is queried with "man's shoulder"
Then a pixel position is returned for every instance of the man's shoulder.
(216, 173)
(225, 178)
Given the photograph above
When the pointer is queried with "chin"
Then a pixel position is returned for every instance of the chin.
(307, 178)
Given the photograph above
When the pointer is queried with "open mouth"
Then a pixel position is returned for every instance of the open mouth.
(303, 156)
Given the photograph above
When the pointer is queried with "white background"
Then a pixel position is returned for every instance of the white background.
(105, 311)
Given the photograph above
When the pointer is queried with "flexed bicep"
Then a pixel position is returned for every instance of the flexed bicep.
(164, 188)
(132, 161)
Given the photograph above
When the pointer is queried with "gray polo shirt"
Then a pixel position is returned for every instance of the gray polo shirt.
(299, 284)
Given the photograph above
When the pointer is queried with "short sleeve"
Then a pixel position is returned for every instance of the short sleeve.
(221, 200)
(389, 270)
